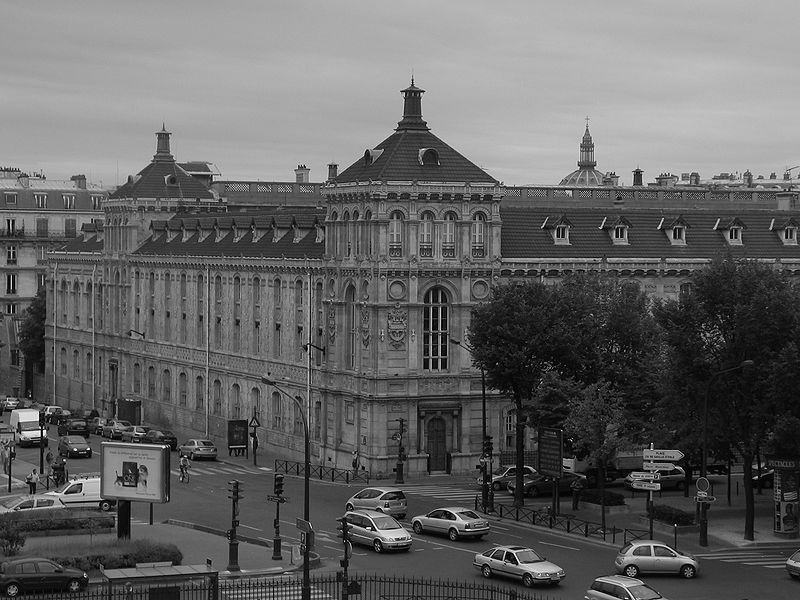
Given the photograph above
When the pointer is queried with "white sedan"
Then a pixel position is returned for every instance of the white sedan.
(518, 562)
(452, 521)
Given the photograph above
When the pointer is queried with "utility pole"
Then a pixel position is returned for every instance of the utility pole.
(401, 452)
(278, 499)
(233, 544)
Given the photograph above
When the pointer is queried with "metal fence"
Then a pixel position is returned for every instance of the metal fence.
(321, 472)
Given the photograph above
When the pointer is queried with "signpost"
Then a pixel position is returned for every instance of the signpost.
(654, 454)
(652, 462)
(551, 458)
(646, 485)
(658, 466)
(645, 476)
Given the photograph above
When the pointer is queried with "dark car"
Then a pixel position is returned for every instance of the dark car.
(22, 575)
(74, 427)
(74, 445)
(85, 413)
(162, 437)
(542, 485)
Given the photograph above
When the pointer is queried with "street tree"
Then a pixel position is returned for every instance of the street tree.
(31, 334)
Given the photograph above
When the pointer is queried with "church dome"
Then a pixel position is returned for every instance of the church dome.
(585, 175)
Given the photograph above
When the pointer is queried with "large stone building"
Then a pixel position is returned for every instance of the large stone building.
(352, 294)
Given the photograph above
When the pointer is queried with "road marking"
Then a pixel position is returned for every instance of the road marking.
(560, 546)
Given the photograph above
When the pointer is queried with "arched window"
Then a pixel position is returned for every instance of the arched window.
(236, 407)
(137, 378)
(256, 347)
(435, 321)
(76, 365)
(356, 236)
(217, 391)
(200, 332)
(167, 306)
(237, 314)
(449, 236)
(182, 385)
(89, 365)
(300, 320)
(151, 383)
(351, 327)
(348, 234)
(62, 300)
(396, 234)
(426, 235)
(166, 386)
(367, 231)
(218, 312)
(199, 393)
(63, 362)
(182, 336)
(151, 306)
(87, 305)
(76, 304)
(277, 411)
(478, 235)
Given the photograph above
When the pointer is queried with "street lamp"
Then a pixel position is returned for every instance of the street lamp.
(704, 458)
(306, 591)
(487, 497)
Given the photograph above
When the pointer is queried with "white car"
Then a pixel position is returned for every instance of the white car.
(453, 521)
(28, 502)
(518, 562)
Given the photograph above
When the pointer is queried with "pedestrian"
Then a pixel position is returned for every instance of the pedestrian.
(49, 462)
(32, 479)
(577, 486)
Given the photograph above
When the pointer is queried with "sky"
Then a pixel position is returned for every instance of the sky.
(259, 86)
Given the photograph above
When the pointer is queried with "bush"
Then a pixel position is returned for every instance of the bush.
(608, 498)
(671, 515)
(11, 538)
(60, 519)
(116, 554)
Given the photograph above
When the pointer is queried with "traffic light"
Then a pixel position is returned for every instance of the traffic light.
(487, 446)
(402, 454)
(235, 490)
(344, 528)
(278, 484)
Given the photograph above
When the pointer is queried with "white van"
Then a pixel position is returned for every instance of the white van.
(82, 492)
(25, 423)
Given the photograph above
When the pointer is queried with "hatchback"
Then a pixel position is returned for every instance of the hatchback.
(52, 413)
(97, 424)
(113, 429)
(197, 448)
(74, 427)
(28, 503)
(452, 521)
(518, 562)
(74, 445)
(502, 475)
(373, 528)
(650, 556)
(162, 437)
(391, 501)
(619, 587)
(134, 433)
(21, 575)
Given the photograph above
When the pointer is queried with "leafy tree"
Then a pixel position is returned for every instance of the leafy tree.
(31, 334)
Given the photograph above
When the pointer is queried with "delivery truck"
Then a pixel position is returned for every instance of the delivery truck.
(25, 423)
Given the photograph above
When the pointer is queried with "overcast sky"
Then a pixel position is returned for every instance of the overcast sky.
(257, 87)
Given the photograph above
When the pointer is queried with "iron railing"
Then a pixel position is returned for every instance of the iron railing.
(321, 472)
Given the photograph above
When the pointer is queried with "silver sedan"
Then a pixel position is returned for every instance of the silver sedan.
(452, 521)
(520, 563)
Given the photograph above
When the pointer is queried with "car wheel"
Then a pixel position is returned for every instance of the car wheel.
(631, 571)
(74, 586)
(527, 580)
(105, 505)
(688, 571)
(486, 571)
(12, 590)
(533, 492)
(417, 527)
(377, 545)
(349, 506)
(453, 535)
(496, 486)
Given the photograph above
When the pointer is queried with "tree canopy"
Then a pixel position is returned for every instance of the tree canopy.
(31, 334)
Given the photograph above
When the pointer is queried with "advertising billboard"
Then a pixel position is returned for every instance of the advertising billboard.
(551, 452)
(136, 472)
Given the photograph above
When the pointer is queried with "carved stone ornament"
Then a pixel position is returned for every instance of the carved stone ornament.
(396, 326)
(365, 332)
(331, 323)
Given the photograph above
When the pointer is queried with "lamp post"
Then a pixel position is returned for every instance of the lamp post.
(704, 457)
(306, 590)
(486, 464)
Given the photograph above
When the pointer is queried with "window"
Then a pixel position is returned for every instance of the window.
(426, 235)
(89, 365)
(256, 316)
(620, 234)
(236, 408)
(396, 235)
(255, 404)
(11, 227)
(137, 378)
(200, 338)
(199, 393)
(11, 283)
(151, 383)
(449, 236)
(511, 431)
(76, 365)
(97, 202)
(63, 354)
(11, 255)
(166, 386)
(478, 235)
(735, 234)
(41, 200)
(167, 306)
(69, 201)
(70, 228)
(351, 327)
(678, 233)
(41, 228)
(217, 397)
(348, 233)
(11, 197)
(790, 235)
(182, 385)
(277, 411)
(11, 308)
(435, 338)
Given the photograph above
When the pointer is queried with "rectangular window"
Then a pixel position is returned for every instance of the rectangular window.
(69, 201)
(620, 232)
(70, 228)
(41, 228)
(41, 200)
(11, 255)
(15, 357)
(11, 227)
(11, 197)
(11, 283)
(97, 202)
(11, 308)
(733, 234)
(257, 338)
(561, 232)
(677, 233)
(789, 234)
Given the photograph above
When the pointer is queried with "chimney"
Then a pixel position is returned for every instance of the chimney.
(333, 171)
(748, 178)
(23, 180)
(80, 181)
(301, 174)
(637, 176)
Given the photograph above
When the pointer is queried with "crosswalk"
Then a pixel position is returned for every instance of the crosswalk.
(211, 468)
(453, 494)
(769, 558)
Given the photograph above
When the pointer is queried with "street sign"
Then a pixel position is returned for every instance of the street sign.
(657, 454)
(254, 422)
(645, 476)
(658, 466)
(702, 499)
(303, 525)
(646, 485)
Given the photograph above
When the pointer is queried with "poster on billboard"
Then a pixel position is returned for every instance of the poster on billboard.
(136, 472)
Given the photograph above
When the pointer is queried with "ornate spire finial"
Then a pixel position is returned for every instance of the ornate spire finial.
(587, 121)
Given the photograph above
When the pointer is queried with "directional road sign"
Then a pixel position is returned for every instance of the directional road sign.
(646, 485)
(658, 466)
(702, 499)
(645, 476)
(662, 454)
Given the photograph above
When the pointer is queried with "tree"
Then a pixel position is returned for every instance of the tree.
(739, 312)
(31, 334)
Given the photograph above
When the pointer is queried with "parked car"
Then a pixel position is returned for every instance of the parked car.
(29, 502)
(10, 403)
(619, 587)
(592, 475)
(74, 427)
(74, 445)
(52, 413)
(391, 501)
(97, 424)
(22, 575)
(542, 485)
(376, 529)
(113, 429)
(502, 475)
(453, 521)
(793, 565)
(87, 414)
(134, 433)
(163, 437)
(668, 478)
(518, 562)
(198, 448)
(650, 556)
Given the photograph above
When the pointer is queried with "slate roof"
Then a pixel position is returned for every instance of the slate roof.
(399, 157)
(523, 236)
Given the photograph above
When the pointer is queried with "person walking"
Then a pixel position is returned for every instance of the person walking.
(32, 480)
(577, 486)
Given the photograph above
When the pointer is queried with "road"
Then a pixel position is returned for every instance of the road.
(735, 574)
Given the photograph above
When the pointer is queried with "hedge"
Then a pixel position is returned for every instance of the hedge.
(53, 520)
(611, 498)
(671, 515)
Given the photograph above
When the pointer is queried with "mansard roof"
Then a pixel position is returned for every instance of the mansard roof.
(413, 153)
(269, 232)
(523, 235)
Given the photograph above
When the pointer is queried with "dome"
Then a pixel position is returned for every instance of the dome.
(585, 175)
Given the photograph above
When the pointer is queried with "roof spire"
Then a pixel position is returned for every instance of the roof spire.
(586, 158)
(162, 146)
(412, 108)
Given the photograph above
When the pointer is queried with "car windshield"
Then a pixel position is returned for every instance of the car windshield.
(205, 443)
(75, 439)
(500, 471)
(9, 502)
(29, 425)
(385, 523)
(467, 515)
(393, 496)
(795, 557)
(528, 556)
(643, 592)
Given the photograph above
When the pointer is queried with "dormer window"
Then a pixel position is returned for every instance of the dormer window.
(617, 230)
(562, 234)
(620, 233)
(428, 157)
(675, 230)
(790, 235)
(679, 234)
(558, 228)
(732, 231)
(735, 235)
(786, 231)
